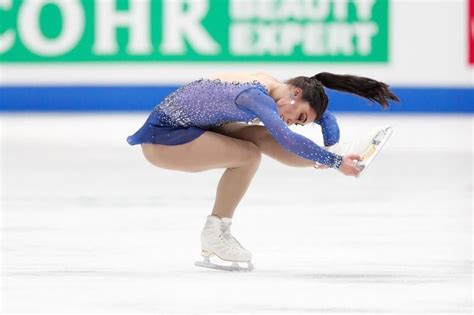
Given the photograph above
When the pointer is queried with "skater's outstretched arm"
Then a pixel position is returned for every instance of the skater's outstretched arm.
(329, 128)
(262, 105)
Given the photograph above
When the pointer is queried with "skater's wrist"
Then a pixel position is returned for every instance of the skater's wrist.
(333, 161)
(337, 162)
(350, 165)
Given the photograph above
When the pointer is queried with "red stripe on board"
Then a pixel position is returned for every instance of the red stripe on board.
(470, 31)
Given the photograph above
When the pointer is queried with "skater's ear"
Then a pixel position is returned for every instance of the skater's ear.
(298, 92)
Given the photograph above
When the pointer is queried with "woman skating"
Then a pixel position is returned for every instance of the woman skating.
(205, 125)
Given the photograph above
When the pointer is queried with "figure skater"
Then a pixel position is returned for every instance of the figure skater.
(215, 123)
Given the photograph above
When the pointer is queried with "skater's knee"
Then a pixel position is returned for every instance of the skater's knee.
(253, 153)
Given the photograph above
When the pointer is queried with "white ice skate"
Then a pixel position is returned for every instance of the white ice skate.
(374, 147)
(218, 243)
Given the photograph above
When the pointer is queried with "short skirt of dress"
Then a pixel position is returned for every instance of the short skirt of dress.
(156, 131)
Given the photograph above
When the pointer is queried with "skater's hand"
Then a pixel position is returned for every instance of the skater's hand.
(349, 165)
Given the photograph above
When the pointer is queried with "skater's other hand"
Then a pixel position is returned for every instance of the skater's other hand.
(349, 165)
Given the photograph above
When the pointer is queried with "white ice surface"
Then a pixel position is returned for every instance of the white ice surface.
(89, 226)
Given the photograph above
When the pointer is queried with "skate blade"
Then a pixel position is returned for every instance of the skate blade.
(377, 143)
(226, 265)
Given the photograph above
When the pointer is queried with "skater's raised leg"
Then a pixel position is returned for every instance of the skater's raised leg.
(260, 136)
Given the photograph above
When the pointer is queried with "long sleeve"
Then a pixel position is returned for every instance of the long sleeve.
(263, 106)
(329, 128)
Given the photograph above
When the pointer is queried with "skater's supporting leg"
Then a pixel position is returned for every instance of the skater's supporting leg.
(219, 247)
(265, 141)
(233, 185)
(211, 151)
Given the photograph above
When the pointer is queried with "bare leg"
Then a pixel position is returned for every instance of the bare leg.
(232, 187)
(273, 149)
(265, 141)
(210, 151)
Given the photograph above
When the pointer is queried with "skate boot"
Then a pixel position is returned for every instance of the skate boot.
(218, 243)
(368, 147)
(373, 148)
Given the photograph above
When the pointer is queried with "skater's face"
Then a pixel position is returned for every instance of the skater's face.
(293, 109)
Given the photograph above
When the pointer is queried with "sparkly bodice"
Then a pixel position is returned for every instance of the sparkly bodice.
(206, 103)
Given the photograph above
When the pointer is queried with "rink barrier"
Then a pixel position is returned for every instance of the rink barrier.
(143, 98)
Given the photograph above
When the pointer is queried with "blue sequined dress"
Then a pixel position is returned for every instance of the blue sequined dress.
(201, 105)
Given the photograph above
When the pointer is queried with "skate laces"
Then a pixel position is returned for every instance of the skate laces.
(225, 227)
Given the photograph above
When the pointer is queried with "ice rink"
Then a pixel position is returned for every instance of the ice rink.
(89, 226)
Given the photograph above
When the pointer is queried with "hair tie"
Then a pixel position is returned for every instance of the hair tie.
(317, 82)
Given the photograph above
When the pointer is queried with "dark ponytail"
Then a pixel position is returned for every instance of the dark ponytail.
(372, 90)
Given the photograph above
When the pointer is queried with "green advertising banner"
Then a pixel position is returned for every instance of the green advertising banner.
(194, 30)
